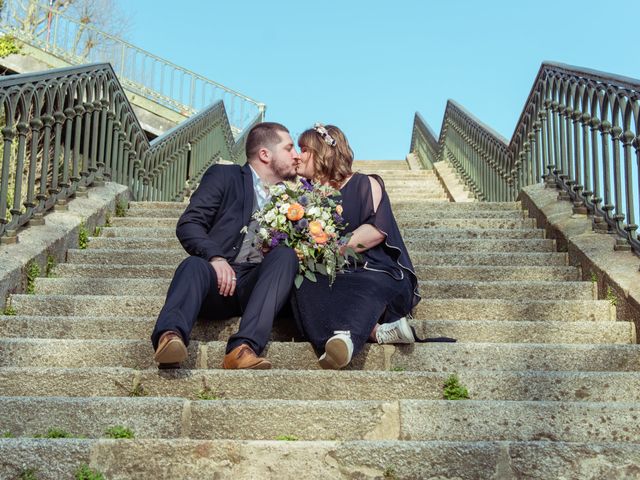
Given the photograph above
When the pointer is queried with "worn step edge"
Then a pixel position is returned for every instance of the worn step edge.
(56, 459)
(318, 385)
(447, 357)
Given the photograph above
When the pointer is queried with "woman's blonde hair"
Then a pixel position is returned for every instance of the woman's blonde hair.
(332, 164)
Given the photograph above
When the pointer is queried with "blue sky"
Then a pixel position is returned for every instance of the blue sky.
(368, 66)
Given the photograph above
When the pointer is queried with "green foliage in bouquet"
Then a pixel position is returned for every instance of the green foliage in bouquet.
(308, 218)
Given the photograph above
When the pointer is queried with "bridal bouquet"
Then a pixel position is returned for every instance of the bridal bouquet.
(306, 217)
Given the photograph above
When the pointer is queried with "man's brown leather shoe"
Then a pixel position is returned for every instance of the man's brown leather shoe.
(243, 356)
(171, 349)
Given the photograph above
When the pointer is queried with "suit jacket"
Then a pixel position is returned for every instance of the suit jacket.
(219, 209)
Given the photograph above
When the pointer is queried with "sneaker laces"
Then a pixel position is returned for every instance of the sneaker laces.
(388, 335)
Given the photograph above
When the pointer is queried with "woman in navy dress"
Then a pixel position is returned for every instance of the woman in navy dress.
(373, 297)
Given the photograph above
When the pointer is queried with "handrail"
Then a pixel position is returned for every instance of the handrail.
(141, 72)
(424, 142)
(70, 128)
(556, 138)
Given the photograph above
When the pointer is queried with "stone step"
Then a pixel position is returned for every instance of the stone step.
(437, 211)
(287, 384)
(428, 244)
(423, 242)
(482, 258)
(175, 256)
(89, 270)
(126, 232)
(415, 242)
(405, 219)
(429, 309)
(427, 221)
(377, 165)
(464, 330)
(498, 273)
(479, 420)
(318, 384)
(184, 458)
(500, 309)
(434, 232)
(465, 233)
(455, 206)
(480, 273)
(431, 357)
(428, 288)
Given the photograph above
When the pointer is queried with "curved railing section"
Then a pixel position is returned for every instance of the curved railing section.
(579, 128)
(70, 128)
(139, 71)
(424, 142)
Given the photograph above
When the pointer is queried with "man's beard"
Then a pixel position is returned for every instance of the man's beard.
(283, 172)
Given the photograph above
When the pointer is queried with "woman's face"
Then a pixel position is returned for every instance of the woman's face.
(305, 167)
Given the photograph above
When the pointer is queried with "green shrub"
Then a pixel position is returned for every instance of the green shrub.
(83, 236)
(28, 474)
(453, 390)
(85, 473)
(121, 209)
(8, 45)
(55, 433)
(287, 438)
(51, 265)
(119, 432)
(33, 272)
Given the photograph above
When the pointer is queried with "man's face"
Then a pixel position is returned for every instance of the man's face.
(284, 158)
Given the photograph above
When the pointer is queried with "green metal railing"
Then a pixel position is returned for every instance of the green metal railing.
(139, 71)
(579, 128)
(70, 128)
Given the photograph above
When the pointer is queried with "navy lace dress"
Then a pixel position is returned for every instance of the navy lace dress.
(382, 287)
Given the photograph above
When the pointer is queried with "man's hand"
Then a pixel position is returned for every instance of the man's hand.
(226, 276)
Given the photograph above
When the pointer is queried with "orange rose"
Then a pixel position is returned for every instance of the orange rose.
(315, 228)
(321, 238)
(339, 209)
(295, 212)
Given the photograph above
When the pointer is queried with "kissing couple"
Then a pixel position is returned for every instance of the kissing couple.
(229, 274)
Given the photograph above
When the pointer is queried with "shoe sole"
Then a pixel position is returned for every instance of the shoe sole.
(173, 351)
(336, 355)
(264, 365)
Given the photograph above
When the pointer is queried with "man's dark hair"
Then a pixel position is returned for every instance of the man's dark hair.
(264, 134)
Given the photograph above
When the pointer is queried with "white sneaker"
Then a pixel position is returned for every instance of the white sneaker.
(337, 352)
(395, 332)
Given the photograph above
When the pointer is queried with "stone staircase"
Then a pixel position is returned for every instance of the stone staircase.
(553, 378)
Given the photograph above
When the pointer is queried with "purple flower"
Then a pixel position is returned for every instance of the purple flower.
(306, 184)
(303, 200)
(303, 223)
(337, 218)
(277, 238)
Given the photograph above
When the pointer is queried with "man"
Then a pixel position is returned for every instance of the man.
(226, 275)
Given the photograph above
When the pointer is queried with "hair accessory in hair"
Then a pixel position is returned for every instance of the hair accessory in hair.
(328, 139)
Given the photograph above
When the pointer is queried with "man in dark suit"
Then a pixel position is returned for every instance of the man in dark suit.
(226, 275)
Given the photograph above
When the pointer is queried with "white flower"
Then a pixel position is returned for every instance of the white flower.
(281, 219)
(270, 216)
(284, 208)
(244, 229)
(325, 216)
(262, 233)
(277, 190)
(330, 229)
(313, 212)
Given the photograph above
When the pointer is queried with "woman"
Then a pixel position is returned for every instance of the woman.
(381, 287)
